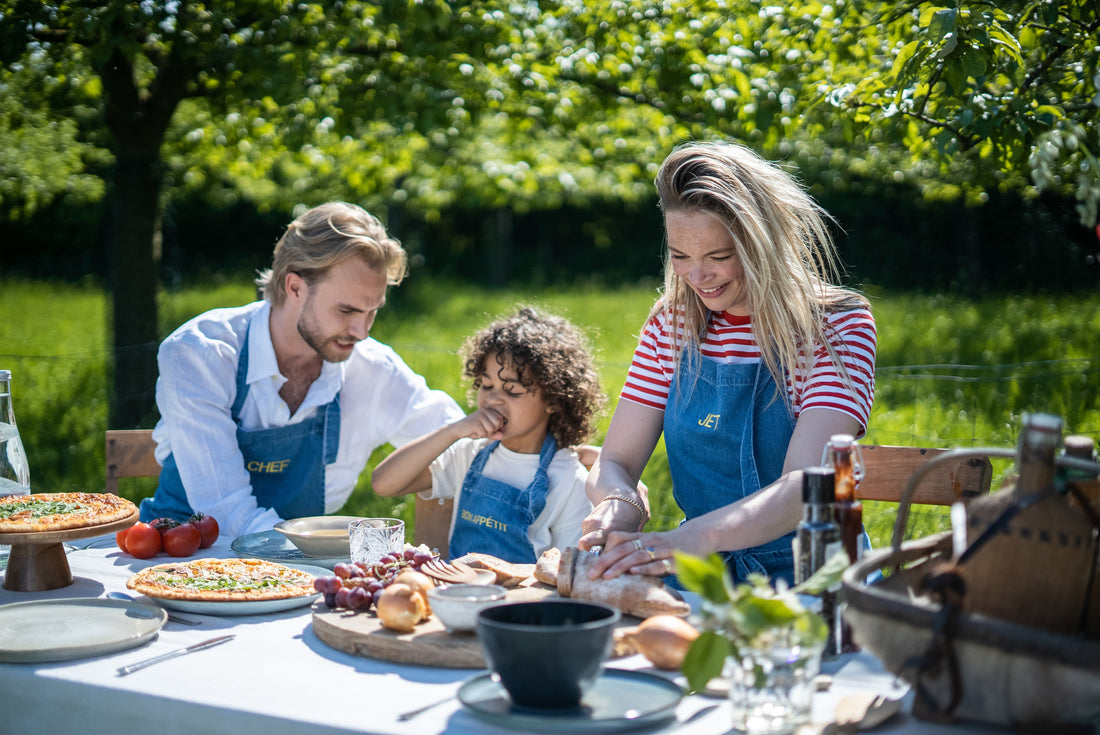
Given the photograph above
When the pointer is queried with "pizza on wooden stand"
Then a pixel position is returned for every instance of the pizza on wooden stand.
(61, 511)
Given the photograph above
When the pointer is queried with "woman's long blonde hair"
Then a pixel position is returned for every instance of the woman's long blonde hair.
(782, 240)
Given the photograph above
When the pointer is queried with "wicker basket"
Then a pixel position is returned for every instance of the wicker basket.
(962, 664)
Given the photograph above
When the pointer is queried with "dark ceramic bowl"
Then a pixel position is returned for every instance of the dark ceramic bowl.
(547, 654)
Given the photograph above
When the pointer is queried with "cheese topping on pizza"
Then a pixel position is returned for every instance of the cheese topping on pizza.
(61, 511)
(222, 580)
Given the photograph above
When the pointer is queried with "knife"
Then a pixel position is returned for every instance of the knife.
(131, 668)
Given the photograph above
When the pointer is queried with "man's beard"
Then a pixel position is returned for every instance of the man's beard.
(320, 344)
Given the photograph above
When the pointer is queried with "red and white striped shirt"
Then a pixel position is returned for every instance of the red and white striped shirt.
(730, 339)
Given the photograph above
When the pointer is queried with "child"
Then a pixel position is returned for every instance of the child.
(517, 484)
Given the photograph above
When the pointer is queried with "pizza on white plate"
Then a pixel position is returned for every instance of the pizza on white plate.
(222, 580)
(61, 511)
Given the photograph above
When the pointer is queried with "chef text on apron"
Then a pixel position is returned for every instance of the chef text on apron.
(286, 463)
(493, 516)
(727, 435)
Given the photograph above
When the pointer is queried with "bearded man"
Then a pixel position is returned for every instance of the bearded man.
(271, 411)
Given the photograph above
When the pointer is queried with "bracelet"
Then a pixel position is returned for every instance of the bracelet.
(636, 502)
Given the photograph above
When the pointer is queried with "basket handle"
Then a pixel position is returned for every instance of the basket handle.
(902, 519)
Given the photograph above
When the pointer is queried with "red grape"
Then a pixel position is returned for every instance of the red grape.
(358, 598)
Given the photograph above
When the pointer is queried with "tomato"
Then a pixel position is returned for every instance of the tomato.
(208, 527)
(120, 538)
(183, 539)
(163, 523)
(143, 541)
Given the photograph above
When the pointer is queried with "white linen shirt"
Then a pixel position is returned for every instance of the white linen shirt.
(381, 401)
(559, 524)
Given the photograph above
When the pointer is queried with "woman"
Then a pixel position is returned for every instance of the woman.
(749, 361)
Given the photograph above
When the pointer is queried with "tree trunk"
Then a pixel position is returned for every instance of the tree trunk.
(134, 278)
(137, 122)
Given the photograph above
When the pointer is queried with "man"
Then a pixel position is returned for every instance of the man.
(270, 411)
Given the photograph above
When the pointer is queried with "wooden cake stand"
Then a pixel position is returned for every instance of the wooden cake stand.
(37, 559)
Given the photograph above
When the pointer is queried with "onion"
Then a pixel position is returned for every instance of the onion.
(418, 581)
(664, 640)
(400, 607)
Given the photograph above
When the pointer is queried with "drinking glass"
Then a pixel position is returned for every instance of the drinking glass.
(771, 688)
(373, 538)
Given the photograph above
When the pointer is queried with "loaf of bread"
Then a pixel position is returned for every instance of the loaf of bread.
(634, 594)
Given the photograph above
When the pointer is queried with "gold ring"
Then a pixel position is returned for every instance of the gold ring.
(637, 544)
(667, 563)
(649, 550)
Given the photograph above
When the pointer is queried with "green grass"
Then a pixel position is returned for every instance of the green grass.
(951, 371)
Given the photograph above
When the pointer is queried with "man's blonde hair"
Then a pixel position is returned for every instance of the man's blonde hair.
(782, 241)
(322, 237)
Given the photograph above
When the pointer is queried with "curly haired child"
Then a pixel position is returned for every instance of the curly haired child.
(519, 488)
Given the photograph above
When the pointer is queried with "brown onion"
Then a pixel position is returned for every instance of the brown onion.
(664, 640)
(400, 607)
(418, 581)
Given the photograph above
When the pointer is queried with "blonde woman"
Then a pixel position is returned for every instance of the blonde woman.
(749, 361)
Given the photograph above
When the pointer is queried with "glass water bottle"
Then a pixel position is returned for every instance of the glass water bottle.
(15, 476)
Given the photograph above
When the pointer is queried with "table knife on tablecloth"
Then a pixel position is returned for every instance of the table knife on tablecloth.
(131, 668)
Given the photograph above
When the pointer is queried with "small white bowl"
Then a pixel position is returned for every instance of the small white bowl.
(457, 605)
(319, 536)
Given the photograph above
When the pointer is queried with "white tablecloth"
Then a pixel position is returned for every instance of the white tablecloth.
(277, 677)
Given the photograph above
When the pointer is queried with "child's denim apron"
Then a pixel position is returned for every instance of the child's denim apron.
(493, 516)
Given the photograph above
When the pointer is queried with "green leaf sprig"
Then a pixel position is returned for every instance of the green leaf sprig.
(753, 614)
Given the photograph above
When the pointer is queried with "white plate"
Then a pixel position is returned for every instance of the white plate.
(247, 607)
(274, 546)
(72, 628)
(619, 700)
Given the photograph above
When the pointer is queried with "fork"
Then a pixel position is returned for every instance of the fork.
(445, 571)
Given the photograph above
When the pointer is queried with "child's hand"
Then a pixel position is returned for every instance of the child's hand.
(482, 423)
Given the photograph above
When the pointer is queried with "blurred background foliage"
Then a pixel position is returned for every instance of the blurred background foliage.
(145, 143)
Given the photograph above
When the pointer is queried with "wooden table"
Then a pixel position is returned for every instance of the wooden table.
(277, 677)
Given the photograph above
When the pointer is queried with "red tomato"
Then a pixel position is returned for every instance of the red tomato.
(120, 538)
(143, 541)
(182, 539)
(208, 527)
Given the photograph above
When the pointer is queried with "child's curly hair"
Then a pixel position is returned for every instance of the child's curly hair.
(549, 353)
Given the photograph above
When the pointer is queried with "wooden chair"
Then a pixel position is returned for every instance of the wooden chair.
(886, 470)
(129, 453)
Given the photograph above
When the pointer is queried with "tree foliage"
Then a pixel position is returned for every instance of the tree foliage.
(521, 105)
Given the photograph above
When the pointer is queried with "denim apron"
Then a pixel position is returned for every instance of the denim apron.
(727, 435)
(493, 516)
(282, 462)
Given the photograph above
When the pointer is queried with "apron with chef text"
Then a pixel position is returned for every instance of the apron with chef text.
(493, 516)
(286, 464)
(727, 434)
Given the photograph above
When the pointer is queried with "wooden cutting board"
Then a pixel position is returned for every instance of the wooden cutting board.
(362, 634)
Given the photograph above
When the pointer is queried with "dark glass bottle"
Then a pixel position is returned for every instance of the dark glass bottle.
(842, 455)
(817, 539)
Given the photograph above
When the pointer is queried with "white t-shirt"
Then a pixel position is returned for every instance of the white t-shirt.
(381, 401)
(559, 524)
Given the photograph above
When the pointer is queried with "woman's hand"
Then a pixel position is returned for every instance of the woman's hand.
(608, 516)
(645, 553)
